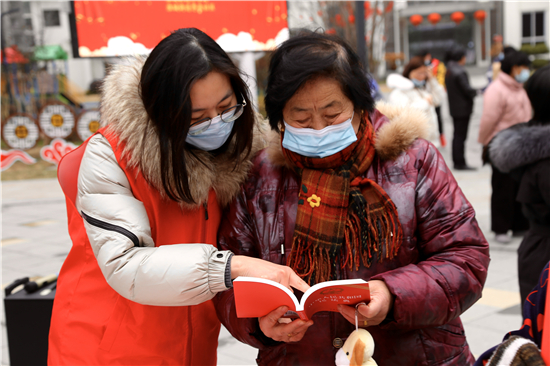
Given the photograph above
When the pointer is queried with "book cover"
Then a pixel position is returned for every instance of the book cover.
(256, 297)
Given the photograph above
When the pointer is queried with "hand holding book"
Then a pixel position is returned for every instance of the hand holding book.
(381, 303)
(274, 326)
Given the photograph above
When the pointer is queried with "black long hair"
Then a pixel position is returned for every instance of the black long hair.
(168, 75)
(306, 56)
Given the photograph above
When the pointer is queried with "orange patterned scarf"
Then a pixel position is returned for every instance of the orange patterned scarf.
(342, 217)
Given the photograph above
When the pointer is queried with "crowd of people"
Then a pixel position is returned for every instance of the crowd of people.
(185, 188)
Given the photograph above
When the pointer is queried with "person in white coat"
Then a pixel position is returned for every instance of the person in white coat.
(418, 89)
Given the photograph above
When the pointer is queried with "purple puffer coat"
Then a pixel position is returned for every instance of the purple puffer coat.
(438, 274)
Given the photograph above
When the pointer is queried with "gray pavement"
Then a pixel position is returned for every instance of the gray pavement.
(35, 241)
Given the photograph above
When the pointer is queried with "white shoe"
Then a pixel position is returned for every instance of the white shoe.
(503, 238)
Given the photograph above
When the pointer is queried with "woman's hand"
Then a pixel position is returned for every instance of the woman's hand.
(242, 265)
(279, 329)
(381, 302)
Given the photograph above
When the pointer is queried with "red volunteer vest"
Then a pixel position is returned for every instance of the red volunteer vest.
(93, 325)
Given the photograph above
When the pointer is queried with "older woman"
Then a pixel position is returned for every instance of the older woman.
(389, 212)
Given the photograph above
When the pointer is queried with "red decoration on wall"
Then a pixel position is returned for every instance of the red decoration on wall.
(53, 152)
(320, 13)
(11, 156)
(416, 19)
(434, 18)
(480, 15)
(457, 17)
(331, 31)
(389, 7)
(351, 19)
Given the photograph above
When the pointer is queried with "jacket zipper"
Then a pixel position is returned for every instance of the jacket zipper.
(206, 210)
(106, 226)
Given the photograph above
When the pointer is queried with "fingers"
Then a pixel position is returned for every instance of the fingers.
(255, 267)
(297, 282)
(348, 312)
(273, 317)
(283, 331)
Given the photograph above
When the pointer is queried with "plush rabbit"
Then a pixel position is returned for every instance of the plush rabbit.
(357, 350)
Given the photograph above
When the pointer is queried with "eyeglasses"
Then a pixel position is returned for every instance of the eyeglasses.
(228, 115)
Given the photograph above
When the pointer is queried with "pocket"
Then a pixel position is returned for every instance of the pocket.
(444, 343)
(113, 324)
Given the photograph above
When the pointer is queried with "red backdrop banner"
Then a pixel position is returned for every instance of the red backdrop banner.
(117, 28)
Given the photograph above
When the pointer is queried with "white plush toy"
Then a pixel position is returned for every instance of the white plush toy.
(357, 350)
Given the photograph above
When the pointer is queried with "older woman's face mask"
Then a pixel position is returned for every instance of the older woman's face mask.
(319, 119)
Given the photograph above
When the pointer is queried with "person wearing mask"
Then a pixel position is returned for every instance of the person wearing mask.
(438, 70)
(505, 103)
(346, 190)
(461, 103)
(523, 150)
(418, 89)
(144, 200)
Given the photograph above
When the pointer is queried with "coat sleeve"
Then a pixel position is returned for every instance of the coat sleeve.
(118, 229)
(453, 253)
(464, 85)
(493, 109)
(237, 234)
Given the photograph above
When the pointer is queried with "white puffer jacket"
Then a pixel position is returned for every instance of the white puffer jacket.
(406, 95)
(116, 222)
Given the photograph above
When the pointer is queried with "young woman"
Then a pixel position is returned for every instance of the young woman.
(144, 200)
(505, 103)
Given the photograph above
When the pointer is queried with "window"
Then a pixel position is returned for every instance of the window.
(51, 18)
(533, 27)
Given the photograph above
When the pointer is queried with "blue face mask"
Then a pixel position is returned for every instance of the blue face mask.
(522, 76)
(215, 135)
(319, 143)
(418, 83)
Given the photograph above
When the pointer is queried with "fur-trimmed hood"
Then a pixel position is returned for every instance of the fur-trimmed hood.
(123, 111)
(520, 145)
(396, 129)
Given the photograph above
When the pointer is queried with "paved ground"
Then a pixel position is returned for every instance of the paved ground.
(35, 242)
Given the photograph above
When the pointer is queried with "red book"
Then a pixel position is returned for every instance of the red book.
(256, 297)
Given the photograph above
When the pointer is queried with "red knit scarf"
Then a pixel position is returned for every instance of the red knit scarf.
(342, 217)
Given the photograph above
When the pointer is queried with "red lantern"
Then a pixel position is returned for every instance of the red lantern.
(351, 19)
(434, 18)
(320, 13)
(331, 31)
(457, 17)
(416, 19)
(389, 7)
(480, 15)
(378, 11)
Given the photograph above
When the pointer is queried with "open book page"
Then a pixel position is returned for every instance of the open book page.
(326, 296)
(256, 297)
